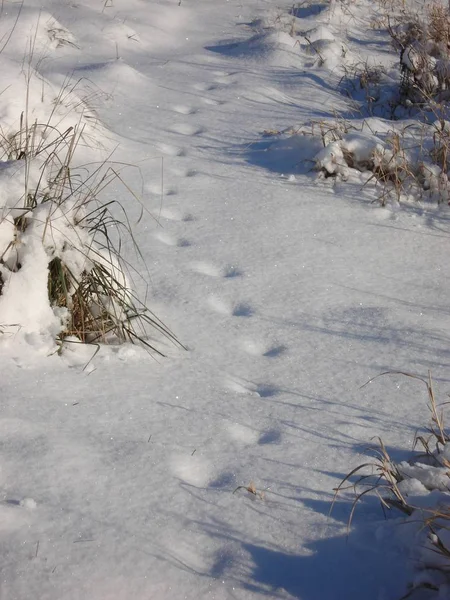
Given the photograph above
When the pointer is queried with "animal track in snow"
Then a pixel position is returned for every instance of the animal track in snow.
(265, 390)
(213, 102)
(172, 214)
(242, 433)
(184, 172)
(184, 110)
(231, 271)
(205, 87)
(275, 351)
(227, 479)
(263, 349)
(224, 307)
(241, 387)
(186, 129)
(220, 306)
(214, 271)
(249, 388)
(191, 469)
(206, 269)
(27, 503)
(170, 150)
(171, 240)
(271, 436)
(242, 310)
(12, 517)
(157, 190)
(224, 80)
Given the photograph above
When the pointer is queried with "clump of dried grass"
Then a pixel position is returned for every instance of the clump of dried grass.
(409, 162)
(88, 276)
(423, 43)
(382, 476)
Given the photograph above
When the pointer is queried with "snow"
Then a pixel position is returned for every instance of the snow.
(288, 290)
(433, 478)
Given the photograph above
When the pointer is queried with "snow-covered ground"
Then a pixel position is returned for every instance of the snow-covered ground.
(289, 291)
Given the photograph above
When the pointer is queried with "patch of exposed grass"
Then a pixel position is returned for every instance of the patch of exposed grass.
(402, 486)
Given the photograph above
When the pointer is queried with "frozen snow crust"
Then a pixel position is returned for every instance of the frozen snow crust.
(291, 246)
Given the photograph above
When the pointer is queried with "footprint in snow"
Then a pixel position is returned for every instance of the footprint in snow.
(224, 80)
(184, 172)
(192, 469)
(172, 214)
(184, 110)
(12, 518)
(186, 129)
(171, 240)
(205, 87)
(243, 309)
(242, 433)
(220, 306)
(249, 388)
(256, 348)
(226, 480)
(275, 351)
(224, 307)
(213, 271)
(170, 150)
(206, 269)
(27, 503)
(271, 436)
(158, 190)
(213, 102)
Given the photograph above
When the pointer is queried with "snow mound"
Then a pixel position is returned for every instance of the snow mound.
(320, 34)
(328, 49)
(391, 155)
(429, 477)
(275, 48)
(108, 74)
(356, 149)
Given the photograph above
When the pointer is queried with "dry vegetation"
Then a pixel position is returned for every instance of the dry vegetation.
(88, 277)
(395, 484)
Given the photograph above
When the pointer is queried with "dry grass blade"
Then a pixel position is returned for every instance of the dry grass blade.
(437, 427)
(251, 489)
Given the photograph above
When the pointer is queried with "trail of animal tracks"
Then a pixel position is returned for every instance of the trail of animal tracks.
(289, 293)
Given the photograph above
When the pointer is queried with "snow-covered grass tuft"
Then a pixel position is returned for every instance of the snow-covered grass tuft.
(62, 273)
(408, 161)
(420, 489)
(422, 37)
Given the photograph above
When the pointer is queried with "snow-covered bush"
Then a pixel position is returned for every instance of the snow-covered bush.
(420, 489)
(407, 160)
(403, 144)
(420, 35)
(423, 42)
(61, 270)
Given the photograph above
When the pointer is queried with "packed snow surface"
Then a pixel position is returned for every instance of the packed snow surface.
(288, 290)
